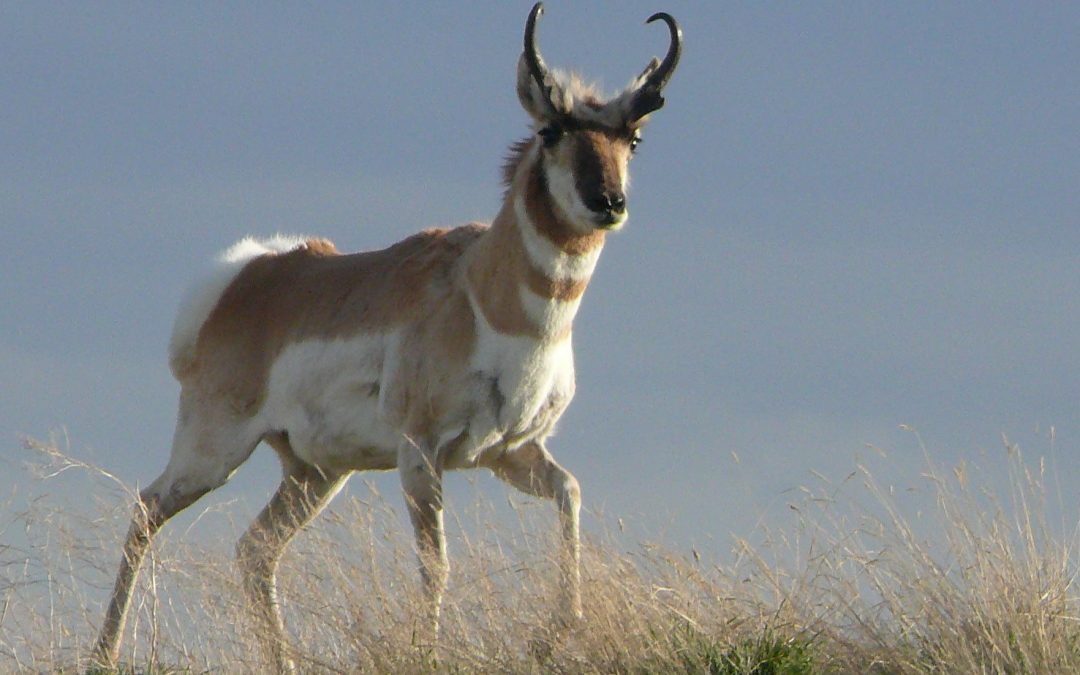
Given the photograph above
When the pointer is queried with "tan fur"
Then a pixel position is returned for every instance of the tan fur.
(314, 291)
(493, 271)
(497, 269)
(554, 289)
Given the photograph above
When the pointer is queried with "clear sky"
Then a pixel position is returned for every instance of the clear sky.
(848, 217)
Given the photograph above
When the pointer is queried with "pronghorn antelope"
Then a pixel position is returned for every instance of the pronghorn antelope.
(448, 350)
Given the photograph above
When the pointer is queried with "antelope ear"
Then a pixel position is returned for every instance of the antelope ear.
(643, 97)
(631, 104)
(542, 104)
(641, 79)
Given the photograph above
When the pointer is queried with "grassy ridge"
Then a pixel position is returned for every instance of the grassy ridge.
(977, 582)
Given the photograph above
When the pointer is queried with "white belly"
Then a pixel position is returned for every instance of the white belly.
(325, 395)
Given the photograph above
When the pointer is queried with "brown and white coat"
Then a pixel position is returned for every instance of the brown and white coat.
(450, 349)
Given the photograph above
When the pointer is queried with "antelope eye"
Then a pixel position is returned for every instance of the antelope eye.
(550, 135)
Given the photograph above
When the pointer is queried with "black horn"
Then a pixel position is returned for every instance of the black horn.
(535, 62)
(648, 98)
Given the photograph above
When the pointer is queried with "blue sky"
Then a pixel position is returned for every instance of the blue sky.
(847, 218)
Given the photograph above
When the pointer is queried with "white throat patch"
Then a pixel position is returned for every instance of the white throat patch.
(548, 258)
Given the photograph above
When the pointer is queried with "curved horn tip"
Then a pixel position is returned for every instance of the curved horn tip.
(530, 23)
(648, 96)
(661, 75)
(535, 62)
(666, 18)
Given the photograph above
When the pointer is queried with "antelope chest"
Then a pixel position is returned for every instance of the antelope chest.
(521, 386)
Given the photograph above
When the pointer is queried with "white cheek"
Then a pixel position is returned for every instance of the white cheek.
(564, 192)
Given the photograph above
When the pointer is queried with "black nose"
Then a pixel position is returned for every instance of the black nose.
(608, 202)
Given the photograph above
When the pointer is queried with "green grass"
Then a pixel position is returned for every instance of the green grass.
(766, 654)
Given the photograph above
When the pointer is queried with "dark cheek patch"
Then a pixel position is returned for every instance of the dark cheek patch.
(538, 203)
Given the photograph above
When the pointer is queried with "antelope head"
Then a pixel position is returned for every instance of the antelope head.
(586, 141)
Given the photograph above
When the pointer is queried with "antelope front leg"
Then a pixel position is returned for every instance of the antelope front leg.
(532, 470)
(421, 480)
(568, 496)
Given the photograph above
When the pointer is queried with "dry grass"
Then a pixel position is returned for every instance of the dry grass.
(977, 583)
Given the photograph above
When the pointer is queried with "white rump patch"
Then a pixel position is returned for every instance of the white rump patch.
(201, 298)
(251, 247)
